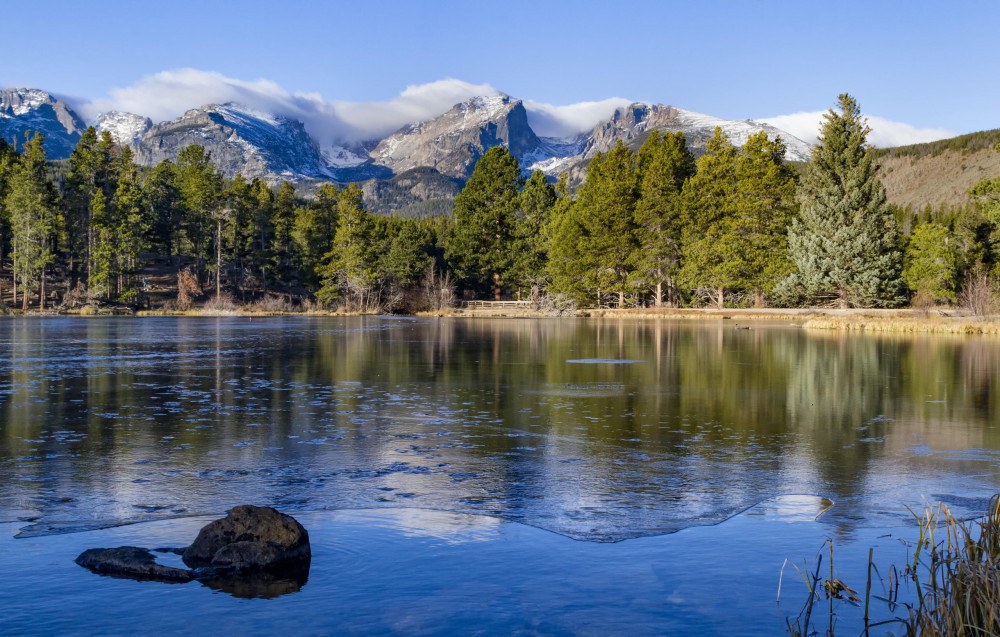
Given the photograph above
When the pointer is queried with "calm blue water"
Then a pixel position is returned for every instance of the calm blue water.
(479, 476)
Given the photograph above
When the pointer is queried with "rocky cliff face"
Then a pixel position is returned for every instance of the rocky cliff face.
(454, 141)
(24, 110)
(127, 129)
(240, 140)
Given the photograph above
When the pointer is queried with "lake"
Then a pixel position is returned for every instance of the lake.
(480, 476)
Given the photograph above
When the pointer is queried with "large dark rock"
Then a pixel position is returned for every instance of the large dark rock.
(131, 562)
(251, 538)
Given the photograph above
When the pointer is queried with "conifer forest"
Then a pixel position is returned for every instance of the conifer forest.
(735, 227)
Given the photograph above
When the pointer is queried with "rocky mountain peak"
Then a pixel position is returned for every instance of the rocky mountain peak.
(27, 110)
(453, 142)
(126, 129)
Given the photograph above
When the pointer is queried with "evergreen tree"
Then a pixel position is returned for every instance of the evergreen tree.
(665, 163)
(263, 209)
(131, 224)
(604, 214)
(100, 282)
(200, 187)
(7, 160)
(710, 238)
(283, 223)
(530, 244)
(845, 242)
(314, 229)
(931, 264)
(566, 266)
(164, 201)
(31, 203)
(409, 255)
(481, 248)
(765, 206)
(351, 268)
(90, 171)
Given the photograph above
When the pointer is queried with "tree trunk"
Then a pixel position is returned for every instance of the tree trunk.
(496, 286)
(621, 299)
(41, 294)
(758, 298)
(659, 294)
(218, 258)
(722, 297)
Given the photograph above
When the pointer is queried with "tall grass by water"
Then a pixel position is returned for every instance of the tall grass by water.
(954, 573)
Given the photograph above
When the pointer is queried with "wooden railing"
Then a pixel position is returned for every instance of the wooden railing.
(494, 305)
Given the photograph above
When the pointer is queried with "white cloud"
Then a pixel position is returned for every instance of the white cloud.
(565, 121)
(884, 133)
(168, 94)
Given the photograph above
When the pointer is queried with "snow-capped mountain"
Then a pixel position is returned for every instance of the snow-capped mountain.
(637, 119)
(26, 110)
(441, 151)
(240, 140)
(125, 128)
(453, 142)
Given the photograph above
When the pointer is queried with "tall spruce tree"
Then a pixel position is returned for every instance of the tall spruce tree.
(765, 206)
(710, 238)
(32, 204)
(605, 216)
(845, 242)
(665, 163)
(482, 244)
(534, 206)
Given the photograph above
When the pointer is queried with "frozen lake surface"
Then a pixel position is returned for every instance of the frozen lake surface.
(480, 476)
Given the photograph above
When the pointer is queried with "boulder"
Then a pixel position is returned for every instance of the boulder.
(250, 539)
(131, 562)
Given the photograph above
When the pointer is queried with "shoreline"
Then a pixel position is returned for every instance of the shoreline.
(934, 321)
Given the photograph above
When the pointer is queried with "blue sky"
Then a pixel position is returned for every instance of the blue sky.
(913, 65)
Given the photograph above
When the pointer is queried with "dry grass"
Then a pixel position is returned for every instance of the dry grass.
(956, 580)
(960, 594)
(904, 325)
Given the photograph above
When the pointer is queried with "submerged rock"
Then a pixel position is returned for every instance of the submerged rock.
(131, 562)
(251, 538)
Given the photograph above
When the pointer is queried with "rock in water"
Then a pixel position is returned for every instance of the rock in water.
(132, 562)
(250, 538)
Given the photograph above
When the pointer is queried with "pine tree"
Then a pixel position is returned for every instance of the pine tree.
(314, 229)
(90, 171)
(710, 239)
(931, 264)
(131, 224)
(283, 223)
(765, 206)
(665, 163)
(566, 266)
(351, 268)
(200, 187)
(31, 202)
(531, 249)
(164, 201)
(481, 246)
(845, 242)
(604, 212)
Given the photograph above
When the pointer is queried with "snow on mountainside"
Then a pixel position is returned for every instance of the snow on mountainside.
(452, 142)
(26, 110)
(125, 128)
(255, 143)
(241, 140)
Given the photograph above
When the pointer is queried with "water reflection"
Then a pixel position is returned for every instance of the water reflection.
(119, 420)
